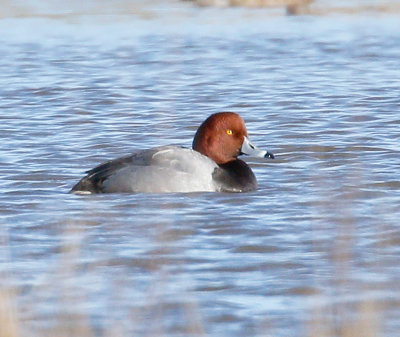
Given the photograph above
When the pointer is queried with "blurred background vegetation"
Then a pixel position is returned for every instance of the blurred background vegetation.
(58, 8)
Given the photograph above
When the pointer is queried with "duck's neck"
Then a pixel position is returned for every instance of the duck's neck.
(235, 176)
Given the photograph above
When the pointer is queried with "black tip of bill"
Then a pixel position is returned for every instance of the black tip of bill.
(269, 155)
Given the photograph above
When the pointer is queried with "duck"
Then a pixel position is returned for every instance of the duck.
(211, 165)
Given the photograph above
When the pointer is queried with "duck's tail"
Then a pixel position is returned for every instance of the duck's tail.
(86, 186)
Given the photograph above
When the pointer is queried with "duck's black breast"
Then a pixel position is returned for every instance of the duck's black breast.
(235, 176)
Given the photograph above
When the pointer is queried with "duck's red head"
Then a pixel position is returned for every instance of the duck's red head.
(220, 137)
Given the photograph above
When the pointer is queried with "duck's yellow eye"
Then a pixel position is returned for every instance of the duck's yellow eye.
(229, 132)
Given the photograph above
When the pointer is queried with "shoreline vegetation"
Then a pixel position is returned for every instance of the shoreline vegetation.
(293, 7)
(307, 7)
(10, 9)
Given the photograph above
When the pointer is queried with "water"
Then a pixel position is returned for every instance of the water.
(313, 252)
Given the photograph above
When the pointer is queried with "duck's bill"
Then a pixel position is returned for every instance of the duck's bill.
(252, 150)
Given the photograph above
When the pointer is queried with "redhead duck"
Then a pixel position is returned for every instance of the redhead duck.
(211, 166)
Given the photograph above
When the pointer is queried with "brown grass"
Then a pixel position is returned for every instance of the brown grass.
(9, 324)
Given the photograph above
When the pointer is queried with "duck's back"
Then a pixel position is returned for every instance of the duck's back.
(158, 170)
